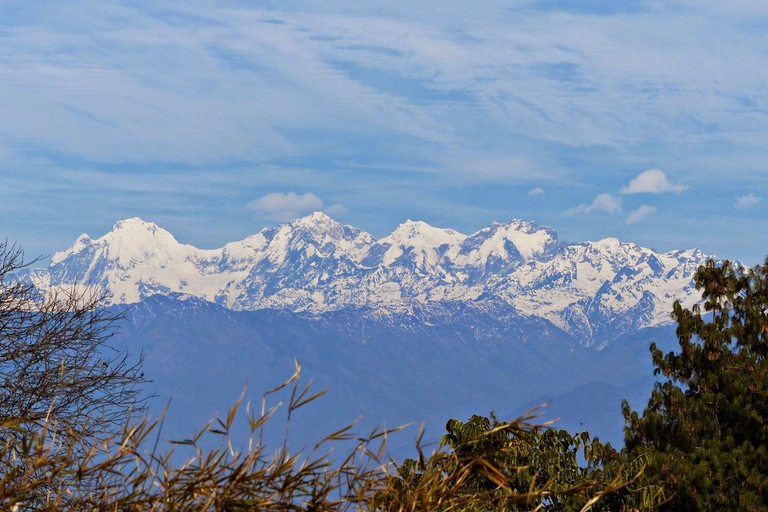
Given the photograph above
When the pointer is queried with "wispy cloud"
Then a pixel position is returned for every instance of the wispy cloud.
(640, 214)
(159, 84)
(284, 207)
(536, 191)
(602, 203)
(652, 181)
(337, 210)
(747, 201)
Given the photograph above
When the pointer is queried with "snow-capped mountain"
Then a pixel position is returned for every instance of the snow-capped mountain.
(317, 266)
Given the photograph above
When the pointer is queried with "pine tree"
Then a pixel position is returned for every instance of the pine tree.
(705, 429)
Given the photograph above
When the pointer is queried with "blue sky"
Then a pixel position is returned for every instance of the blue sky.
(646, 121)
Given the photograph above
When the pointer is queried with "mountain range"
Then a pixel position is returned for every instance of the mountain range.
(594, 292)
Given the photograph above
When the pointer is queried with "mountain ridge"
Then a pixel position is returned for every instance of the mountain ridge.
(316, 265)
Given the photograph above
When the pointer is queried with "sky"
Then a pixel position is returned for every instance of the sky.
(641, 120)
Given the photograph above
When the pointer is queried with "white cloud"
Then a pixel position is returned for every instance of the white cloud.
(284, 207)
(336, 210)
(652, 181)
(747, 201)
(536, 191)
(640, 214)
(602, 203)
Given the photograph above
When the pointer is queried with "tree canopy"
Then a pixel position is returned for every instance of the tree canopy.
(705, 428)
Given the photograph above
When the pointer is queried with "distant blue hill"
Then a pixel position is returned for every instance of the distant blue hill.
(200, 356)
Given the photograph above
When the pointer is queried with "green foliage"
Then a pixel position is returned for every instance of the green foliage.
(496, 466)
(705, 429)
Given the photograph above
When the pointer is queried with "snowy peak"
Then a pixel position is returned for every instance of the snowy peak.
(513, 242)
(418, 242)
(134, 225)
(134, 260)
(138, 231)
(81, 243)
(131, 240)
(530, 239)
(420, 233)
(317, 235)
(317, 221)
(421, 236)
